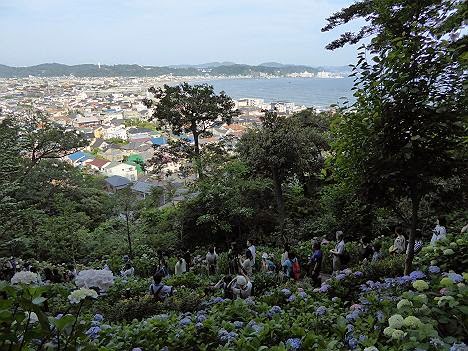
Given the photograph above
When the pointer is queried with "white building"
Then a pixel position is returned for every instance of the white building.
(111, 132)
(122, 170)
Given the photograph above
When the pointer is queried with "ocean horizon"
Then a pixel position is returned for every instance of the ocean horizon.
(311, 92)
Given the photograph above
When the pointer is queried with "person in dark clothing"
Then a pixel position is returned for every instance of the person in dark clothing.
(365, 250)
(188, 259)
(315, 263)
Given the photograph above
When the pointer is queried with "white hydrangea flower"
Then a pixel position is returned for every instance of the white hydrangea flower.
(24, 277)
(32, 317)
(78, 295)
(95, 278)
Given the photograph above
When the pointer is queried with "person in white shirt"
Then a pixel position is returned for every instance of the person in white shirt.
(128, 271)
(241, 287)
(338, 252)
(159, 290)
(180, 266)
(439, 232)
(399, 245)
(253, 250)
(285, 254)
(247, 264)
(212, 261)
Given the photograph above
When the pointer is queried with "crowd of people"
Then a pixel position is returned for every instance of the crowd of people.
(242, 263)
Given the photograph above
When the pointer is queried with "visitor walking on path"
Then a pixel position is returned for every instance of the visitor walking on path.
(399, 245)
(212, 261)
(232, 259)
(159, 290)
(315, 263)
(285, 254)
(440, 231)
(267, 265)
(247, 264)
(253, 250)
(180, 266)
(338, 252)
(188, 259)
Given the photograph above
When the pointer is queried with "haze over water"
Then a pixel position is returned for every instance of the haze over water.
(317, 92)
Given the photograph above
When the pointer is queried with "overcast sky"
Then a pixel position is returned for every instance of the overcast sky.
(156, 32)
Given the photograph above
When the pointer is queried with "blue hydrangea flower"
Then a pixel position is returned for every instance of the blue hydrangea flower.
(274, 311)
(350, 328)
(286, 292)
(335, 298)
(415, 275)
(200, 318)
(459, 347)
(98, 317)
(362, 338)
(455, 277)
(199, 325)
(380, 316)
(434, 269)
(225, 336)
(353, 315)
(352, 343)
(293, 344)
(256, 328)
(302, 294)
(218, 300)
(324, 288)
(93, 332)
(403, 280)
(358, 274)
(185, 321)
(291, 298)
(238, 324)
(320, 311)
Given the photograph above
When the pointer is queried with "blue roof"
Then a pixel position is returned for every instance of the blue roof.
(159, 141)
(77, 156)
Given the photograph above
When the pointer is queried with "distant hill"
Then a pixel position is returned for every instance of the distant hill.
(208, 69)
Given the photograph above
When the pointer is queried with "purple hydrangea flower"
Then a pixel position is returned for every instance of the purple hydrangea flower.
(340, 276)
(358, 274)
(293, 344)
(324, 288)
(286, 292)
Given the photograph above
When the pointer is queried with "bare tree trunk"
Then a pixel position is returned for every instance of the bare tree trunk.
(198, 163)
(415, 200)
(279, 197)
(129, 238)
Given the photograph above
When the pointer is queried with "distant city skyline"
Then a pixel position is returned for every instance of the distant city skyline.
(162, 33)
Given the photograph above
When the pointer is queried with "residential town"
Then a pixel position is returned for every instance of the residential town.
(110, 114)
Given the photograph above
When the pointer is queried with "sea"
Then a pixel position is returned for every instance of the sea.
(311, 92)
